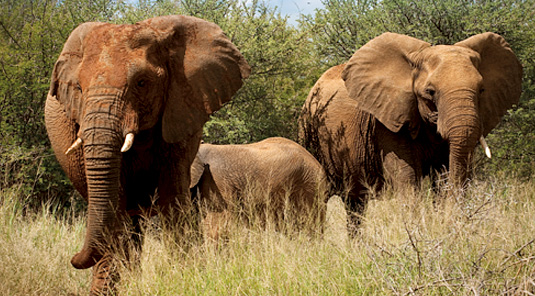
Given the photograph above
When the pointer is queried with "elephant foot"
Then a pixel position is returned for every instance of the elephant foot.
(105, 276)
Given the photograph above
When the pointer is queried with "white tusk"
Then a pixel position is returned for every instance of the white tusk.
(485, 146)
(128, 141)
(74, 145)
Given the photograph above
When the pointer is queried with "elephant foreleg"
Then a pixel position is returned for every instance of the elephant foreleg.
(175, 203)
(105, 276)
(136, 242)
(400, 170)
(124, 250)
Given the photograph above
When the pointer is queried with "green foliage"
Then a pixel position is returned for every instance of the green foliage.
(342, 27)
(513, 143)
(272, 97)
(278, 54)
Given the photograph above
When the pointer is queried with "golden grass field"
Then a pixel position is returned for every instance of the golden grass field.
(412, 242)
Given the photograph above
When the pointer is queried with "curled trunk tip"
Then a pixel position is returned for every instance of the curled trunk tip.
(85, 259)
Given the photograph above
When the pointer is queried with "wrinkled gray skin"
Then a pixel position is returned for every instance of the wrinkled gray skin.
(158, 80)
(401, 109)
(276, 177)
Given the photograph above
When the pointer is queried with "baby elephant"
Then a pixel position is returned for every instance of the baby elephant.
(273, 181)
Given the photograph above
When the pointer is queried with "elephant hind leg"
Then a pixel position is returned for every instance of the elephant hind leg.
(307, 210)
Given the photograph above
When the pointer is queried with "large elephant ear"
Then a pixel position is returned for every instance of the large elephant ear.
(379, 78)
(502, 77)
(205, 71)
(64, 83)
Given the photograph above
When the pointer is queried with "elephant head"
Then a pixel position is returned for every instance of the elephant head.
(115, 81)
(463, 90)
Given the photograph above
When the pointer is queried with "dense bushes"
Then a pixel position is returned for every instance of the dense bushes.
(286, 61)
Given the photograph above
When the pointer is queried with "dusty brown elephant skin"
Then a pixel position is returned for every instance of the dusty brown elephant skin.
(276, 175)
(151, 85)
(403, 108)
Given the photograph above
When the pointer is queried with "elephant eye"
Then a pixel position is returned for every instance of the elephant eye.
(141, 83)
(481, 90)
(430, 92)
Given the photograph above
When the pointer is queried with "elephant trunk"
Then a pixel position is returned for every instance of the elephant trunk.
(463, 130)
(102, 137)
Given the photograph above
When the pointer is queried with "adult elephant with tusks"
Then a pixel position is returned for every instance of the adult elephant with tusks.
(401, 108)
(125, 113)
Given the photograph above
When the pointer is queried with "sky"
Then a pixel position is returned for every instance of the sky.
(293, 8)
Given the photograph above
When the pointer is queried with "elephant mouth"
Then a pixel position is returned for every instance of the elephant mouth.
(432, 117)
(128, 142)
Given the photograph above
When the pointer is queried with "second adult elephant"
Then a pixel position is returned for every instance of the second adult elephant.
(403, 108)
(276, 177)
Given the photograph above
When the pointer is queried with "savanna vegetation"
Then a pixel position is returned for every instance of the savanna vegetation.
(411, 242)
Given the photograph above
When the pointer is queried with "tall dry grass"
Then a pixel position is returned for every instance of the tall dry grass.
(412, 242)
(35, 249)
